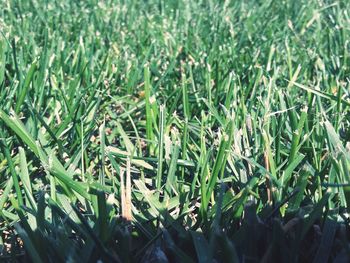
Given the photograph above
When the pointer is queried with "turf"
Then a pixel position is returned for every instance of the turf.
(174, 131)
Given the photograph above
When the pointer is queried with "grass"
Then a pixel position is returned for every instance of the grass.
(174, 131)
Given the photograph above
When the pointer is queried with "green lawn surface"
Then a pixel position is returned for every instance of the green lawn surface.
(174, 131)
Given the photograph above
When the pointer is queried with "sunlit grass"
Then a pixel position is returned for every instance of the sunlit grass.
(180, 131)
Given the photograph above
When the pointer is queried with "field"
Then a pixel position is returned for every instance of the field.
(174, 131)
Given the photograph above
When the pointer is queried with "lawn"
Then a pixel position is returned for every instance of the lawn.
(174, 131)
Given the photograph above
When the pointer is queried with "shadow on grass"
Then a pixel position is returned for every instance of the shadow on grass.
(309, 234)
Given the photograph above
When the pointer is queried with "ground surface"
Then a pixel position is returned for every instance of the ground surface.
(174, 131)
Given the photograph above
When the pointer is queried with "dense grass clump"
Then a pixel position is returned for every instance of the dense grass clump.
(174, 131)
